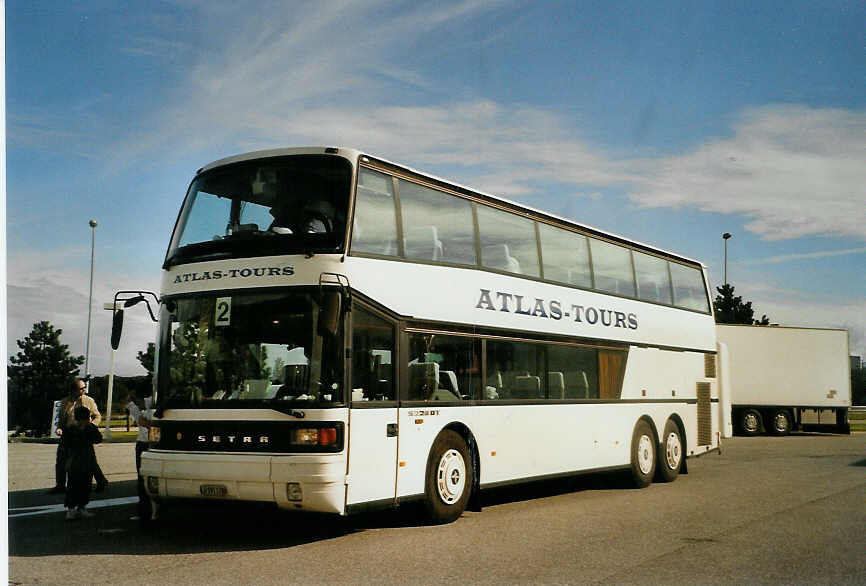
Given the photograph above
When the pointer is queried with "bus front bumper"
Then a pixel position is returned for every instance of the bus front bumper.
(310, 482)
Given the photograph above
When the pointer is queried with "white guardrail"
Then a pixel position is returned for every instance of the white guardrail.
(857, 409)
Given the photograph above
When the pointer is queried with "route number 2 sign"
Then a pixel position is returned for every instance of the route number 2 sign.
(223, 315)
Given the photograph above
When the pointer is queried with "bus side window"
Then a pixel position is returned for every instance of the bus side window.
(374, 228)
(653, 278)
(575, 368)
(566, 256)
(372, 351)
(520, 368)
(444, 368)
(688, 286)
(508, 242)
(612, 266)
(437, 226)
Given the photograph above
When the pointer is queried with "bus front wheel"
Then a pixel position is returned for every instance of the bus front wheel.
(449, 478)
(643, 454)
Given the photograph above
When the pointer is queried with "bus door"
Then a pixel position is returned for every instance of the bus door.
(373, 416)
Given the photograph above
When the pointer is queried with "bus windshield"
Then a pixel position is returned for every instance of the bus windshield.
(247, 350)
(280, 205)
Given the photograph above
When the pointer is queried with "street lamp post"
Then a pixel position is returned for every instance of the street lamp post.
(725, 237)
(110, 307)
(93, 225)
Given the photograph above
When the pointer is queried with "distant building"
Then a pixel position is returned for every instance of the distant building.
(855, 362)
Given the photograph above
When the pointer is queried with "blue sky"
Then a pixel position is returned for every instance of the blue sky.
(668, 123)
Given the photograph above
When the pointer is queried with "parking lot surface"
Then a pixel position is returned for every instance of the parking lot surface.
(768, 510)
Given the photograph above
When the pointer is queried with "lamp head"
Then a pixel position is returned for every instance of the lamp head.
(92, 223)
(726, 235)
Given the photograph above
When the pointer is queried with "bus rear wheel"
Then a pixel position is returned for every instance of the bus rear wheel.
(643, 454)
(671, 453)
(449, 478)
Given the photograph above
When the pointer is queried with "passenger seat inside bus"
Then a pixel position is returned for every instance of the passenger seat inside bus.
(497, 256)
(556, 383)
(492, 392)
(422, 242)
(374, 241)
(527, 387)
(423, 380)
(448, 382)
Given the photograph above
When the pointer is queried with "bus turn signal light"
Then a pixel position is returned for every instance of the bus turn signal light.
(316, 436)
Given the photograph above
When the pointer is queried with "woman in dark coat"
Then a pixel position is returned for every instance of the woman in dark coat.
(80, 460)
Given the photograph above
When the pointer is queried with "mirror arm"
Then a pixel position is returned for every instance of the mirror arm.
(128, 299)
(342, 281)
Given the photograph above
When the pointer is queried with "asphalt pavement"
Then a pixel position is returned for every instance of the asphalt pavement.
(768, 510)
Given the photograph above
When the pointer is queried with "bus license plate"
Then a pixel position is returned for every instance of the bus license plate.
(213, 490)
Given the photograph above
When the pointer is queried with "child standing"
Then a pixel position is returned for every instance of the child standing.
(78, 442)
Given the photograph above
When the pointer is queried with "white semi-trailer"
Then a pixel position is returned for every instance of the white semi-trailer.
(785, 378)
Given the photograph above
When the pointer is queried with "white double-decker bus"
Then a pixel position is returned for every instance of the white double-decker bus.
(339, 332)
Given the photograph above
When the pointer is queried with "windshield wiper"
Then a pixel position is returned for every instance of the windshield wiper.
(199, 251)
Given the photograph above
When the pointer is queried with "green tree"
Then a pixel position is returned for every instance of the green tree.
(147, 359)
(279, 369)
(189, 360)
(730, 309)
(38, 375)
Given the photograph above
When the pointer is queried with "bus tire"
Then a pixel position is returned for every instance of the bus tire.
(780, 422)
(750, 422)
(671, 451)
(643, 454)
(449, 478)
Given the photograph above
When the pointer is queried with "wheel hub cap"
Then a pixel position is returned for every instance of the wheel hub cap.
(673, 451)
(781, 422)
(451, 477)
(645, 454)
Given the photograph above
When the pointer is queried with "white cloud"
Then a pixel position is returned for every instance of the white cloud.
(804, 256)
(794, 170)
(259, 70)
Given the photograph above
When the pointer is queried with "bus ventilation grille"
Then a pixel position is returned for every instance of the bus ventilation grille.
(705, 416)
(710, 365)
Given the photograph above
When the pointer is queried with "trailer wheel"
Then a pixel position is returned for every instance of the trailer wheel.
(670, 458)
(780, 424)
(449, 478)
(643, 454)
(750, 422)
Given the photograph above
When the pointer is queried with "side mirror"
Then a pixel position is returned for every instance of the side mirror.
(116, 328)
(330, 313)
